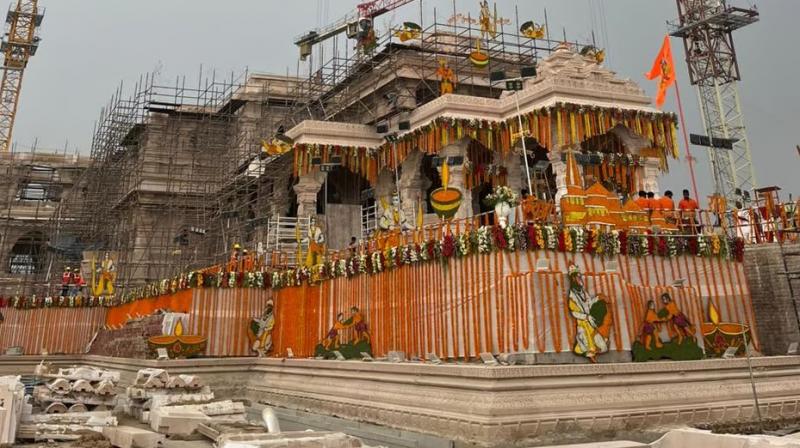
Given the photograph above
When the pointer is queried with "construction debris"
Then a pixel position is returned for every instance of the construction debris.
(290, 440)
(12, 399)
(154, 388)
(177, 405)
(130, 437)
(61, 407)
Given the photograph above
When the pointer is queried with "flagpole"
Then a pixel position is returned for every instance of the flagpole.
(686, 140)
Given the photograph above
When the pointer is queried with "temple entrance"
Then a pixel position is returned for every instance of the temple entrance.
(485, 173)
(543, 179)
(340, 201)
(607, 159)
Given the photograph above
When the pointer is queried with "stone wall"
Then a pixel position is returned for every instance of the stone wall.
(516, 402)
(776, 311)
(129, 341)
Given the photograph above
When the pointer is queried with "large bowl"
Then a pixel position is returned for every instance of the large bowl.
(178, 346)
(479, 59)
(446, 202)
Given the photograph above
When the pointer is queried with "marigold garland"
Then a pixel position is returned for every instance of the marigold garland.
(485, 239)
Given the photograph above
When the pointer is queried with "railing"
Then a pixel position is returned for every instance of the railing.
(754, 225)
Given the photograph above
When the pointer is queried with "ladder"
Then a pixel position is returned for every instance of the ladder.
(282, 232)
(369, 220)
(541, 187)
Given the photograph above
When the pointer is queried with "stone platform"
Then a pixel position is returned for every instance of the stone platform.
(490, 405)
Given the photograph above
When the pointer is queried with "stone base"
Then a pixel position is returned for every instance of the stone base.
(494, 405)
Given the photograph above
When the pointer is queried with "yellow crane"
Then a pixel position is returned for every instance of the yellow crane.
(20, 42)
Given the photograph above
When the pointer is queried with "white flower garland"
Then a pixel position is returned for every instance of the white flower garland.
(551, 239)
(484, 240)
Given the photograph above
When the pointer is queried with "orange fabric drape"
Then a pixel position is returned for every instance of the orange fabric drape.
(297, 310)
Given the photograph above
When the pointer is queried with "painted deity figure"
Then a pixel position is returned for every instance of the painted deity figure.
(359, 325)
(391, 223)
(261, 330)
(447, 78)
(393, 217)
(106, 273)
(650, 328)
(487, 21)
(593, 317)
(316, 245)
(331, 341)
(678, 324)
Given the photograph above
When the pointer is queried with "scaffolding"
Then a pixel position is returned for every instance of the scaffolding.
(178, 173)
(397, 77)
(177, 176)
(32, 184)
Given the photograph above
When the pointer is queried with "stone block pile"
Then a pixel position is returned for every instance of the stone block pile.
(71, 402)
(177, 404)
(12, 402)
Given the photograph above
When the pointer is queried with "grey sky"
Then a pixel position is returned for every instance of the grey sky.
(89, 46)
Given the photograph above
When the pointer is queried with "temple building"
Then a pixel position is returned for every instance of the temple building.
(573, 105)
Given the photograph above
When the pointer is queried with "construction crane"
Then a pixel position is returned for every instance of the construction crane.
(357, 24)
(706, 27)
(20, 42)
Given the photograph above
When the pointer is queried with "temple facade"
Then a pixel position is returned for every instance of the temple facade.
(574, 105)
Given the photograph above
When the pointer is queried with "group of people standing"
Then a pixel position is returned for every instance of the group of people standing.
(685, 214)
(648, 201)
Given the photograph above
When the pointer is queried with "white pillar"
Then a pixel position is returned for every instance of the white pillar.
(306, 190)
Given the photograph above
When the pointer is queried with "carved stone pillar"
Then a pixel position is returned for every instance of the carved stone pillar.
(457, 176)
(413, 184)
(649, 174)
(560, 173)
(306, 190)
(513, 164)
(384, 189)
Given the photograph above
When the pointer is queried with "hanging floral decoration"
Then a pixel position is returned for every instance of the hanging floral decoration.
(562, 124)
(481, 240)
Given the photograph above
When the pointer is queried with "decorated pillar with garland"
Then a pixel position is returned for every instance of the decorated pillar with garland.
(458, 174)
(307, 189)
(413, 184)
(384, 189)
(515, 171)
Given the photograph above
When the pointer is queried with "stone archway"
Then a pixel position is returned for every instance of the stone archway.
(26, 256)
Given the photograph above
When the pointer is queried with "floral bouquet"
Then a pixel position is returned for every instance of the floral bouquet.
(502, 194)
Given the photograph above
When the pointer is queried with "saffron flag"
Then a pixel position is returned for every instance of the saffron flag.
(664, 68)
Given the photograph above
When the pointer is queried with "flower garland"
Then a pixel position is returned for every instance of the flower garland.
(561, 124)
(502, 194)
(483, 240)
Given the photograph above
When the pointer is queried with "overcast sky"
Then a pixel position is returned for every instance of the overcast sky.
(90, 46)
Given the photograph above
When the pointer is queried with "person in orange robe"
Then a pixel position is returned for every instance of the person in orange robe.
(667, 206)
(652, 202)
(688, 208)
(642, 201)
(666, 202)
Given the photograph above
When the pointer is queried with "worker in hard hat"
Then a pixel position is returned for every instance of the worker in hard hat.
(66, 280)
